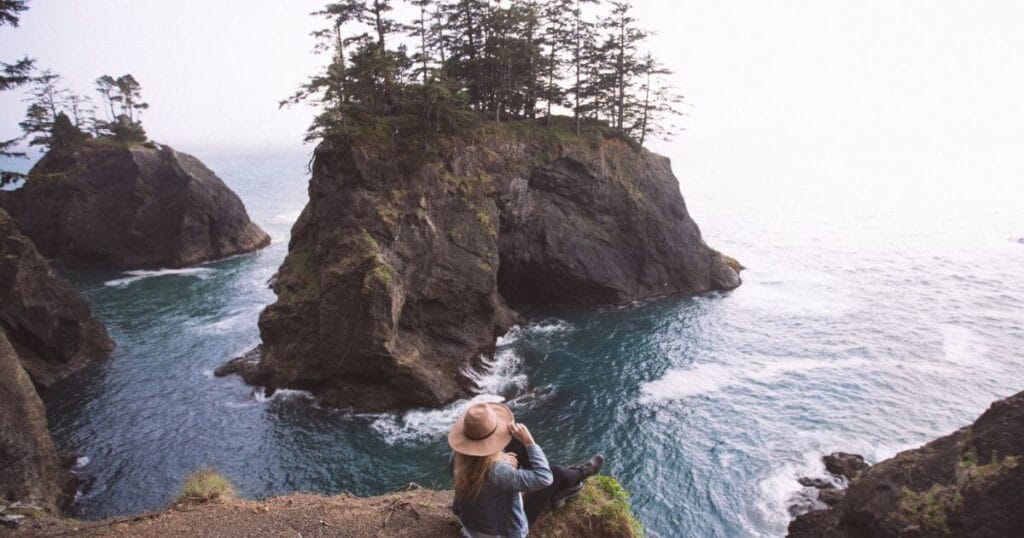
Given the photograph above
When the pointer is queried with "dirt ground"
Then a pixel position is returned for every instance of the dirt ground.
(418, 512)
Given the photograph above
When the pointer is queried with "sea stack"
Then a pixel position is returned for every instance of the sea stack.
(402, 267)
(112, 205)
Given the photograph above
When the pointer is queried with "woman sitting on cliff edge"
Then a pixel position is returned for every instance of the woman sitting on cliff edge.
(490, 480)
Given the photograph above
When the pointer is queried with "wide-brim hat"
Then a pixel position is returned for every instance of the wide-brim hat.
(482, 430)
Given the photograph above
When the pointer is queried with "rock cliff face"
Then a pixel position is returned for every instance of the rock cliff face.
(401, 267)
(45, 320)
(969, 483)
(30, 471)
(117, 207)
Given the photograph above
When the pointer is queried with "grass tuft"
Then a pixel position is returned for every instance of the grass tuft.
(205, 486)
(601, 509)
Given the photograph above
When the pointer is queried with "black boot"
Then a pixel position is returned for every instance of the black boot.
(592, 466)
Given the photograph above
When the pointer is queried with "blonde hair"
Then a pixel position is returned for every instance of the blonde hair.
(471, 473)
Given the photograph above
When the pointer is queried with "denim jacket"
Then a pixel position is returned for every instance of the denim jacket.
(498, 509)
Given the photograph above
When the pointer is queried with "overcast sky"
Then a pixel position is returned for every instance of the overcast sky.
(919, 86)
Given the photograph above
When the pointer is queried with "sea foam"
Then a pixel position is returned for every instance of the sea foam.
(134, 276)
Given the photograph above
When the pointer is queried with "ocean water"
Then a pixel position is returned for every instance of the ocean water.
(875, 315)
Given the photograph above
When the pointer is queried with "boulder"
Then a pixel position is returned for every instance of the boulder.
(114, 206)
(844, 464)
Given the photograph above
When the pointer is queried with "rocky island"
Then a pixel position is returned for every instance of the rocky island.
(113, 205)
(402, 268)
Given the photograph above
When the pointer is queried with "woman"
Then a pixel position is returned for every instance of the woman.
(490, 483)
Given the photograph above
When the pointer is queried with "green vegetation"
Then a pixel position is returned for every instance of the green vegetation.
(205, 486)
(970, 470)
(474, 60)
(58, 118)
(12, 76)
(601, 509)
(930, 509)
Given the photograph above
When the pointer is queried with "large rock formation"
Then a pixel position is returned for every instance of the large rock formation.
(968, 483)
(30, 469)
(46, 321)
(108, 205)
(400, 268)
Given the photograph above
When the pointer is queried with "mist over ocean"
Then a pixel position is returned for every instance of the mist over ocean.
(876, 314)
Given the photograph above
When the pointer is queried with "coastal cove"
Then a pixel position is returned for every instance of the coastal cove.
(708, 408)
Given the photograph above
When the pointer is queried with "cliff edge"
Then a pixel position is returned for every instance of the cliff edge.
(116, 206)
(402, 267)
(48, 324)
(968, 483)
(601, 510)
(47, 332)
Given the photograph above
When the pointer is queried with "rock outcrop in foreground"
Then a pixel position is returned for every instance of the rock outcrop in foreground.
(112, 206)
(30, 469)
(46, 321)
(969, 483)
(47, 332)
(401, 269)
(413, 512)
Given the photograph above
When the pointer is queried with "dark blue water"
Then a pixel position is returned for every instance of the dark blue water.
(875, 316)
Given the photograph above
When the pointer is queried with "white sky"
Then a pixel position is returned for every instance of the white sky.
(911, 86)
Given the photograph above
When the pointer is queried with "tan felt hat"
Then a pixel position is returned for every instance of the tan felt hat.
(482, 430)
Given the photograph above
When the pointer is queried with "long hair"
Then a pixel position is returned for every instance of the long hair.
(471, 473)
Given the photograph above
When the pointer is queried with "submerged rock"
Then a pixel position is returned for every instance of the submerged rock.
(968, 483)
(401, 267)
(112, 206)
(45, 320)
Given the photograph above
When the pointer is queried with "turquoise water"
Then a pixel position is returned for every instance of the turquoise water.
(875, 315)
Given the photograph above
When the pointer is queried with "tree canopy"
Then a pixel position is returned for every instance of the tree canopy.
(466, 59)
(12, 75)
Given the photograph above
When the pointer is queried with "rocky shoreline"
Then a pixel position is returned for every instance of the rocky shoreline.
(968, 483)
(47, 332)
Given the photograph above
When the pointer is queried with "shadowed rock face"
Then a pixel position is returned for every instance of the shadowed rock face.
(968, 483)
(400, 267)
(114, 207)
(46, 321)
(31, 470)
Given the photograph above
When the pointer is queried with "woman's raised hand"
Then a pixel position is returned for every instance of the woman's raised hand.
(521, 432)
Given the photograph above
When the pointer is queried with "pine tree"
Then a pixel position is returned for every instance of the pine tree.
(660, 102)
(624, 39)
(558, 35)
(123, 99)
(582, 34)
(13, 75)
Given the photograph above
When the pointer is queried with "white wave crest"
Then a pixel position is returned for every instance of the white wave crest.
(707, 378)
(134, 276)
(494, 380)
(260, 396)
